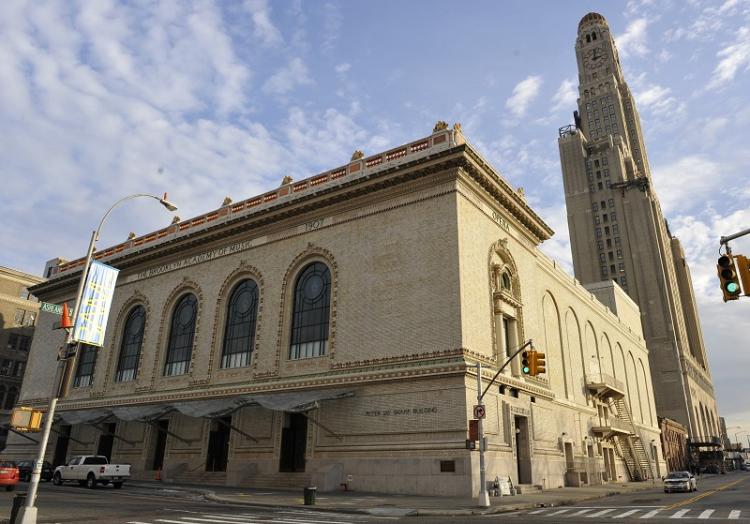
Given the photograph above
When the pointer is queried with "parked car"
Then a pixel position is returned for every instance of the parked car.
(680, 481)
(26, 467)
(8, 475)
(745, 466)
(90, 471)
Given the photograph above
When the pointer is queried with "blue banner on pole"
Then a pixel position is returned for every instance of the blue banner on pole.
(95, 303)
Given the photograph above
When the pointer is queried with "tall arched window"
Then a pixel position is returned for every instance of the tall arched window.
(312, 299)
(130, 348)
(10, 400)
(239, 331)
(181, 335)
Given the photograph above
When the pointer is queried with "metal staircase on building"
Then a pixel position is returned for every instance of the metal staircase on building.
(629, 446)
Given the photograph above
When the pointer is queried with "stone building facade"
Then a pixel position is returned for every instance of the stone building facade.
(618, 231)
(18, 312)
(327, 331)
(674, 444)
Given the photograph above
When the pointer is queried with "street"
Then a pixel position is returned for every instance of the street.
(719, 497)
(137, 505)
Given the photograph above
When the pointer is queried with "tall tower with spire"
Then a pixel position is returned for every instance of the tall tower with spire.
(618, 231)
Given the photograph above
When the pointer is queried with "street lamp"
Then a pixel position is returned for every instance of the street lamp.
(736, 438)
(28, 513)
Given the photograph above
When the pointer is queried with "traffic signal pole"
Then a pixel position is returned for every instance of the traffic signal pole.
(484, 496)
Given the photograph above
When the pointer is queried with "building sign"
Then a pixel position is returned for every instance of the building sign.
(95, 303)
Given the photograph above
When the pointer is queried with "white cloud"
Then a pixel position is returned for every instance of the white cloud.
(732, 59)
(685, 183)
(633, 41)
(343, 68)
(263, 27)
(566, 96)
(332, 20)
(523, 94)
(287, 78)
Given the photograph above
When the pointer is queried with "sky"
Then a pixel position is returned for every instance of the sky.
(101, 99)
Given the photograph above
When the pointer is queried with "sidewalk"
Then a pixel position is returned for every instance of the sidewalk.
(396, 505)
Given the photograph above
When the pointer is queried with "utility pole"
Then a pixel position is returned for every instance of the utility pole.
(484, 496)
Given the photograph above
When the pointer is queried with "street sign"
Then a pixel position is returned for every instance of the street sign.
(479, 411)
(470, 444)
(50, 308)
(26, 419)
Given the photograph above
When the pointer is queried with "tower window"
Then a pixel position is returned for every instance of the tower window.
(598, 232)
(604, 204)
(605, 217)
(617, 241)
(600, 245)
(611, 257)
(595, 206)
(609, 243)
(606, 230)
(612, 268)
(602, 257)
(600, 186)
(588, 38)
(596, 163)
(593, 36)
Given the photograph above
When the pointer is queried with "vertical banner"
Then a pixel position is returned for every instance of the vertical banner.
(95, 303)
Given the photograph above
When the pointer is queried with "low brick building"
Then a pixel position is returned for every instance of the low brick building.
(327, 331)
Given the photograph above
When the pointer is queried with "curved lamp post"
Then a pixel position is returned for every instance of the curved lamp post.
(28, 513)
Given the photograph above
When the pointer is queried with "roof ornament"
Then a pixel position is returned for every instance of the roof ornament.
(440, 125)
(286, 180)
(131, 235)
(358, 154)
(227, 201)
(175, 219)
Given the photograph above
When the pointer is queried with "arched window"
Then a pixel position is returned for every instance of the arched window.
(10, 400)
(312, 298)
(130, 348)
(505, 281)
(181, 335)
(239, 331)
(588, 38)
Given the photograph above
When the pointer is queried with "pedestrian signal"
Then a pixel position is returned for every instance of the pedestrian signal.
(743, 268)
(730, 284)
(539, 363)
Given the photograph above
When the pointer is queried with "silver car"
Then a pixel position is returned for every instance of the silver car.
(680, 481)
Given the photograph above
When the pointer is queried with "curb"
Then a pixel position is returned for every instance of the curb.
(376, 511)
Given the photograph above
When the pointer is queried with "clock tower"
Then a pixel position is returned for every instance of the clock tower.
(618, 231)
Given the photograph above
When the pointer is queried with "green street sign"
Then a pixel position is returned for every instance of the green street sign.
(50, 308)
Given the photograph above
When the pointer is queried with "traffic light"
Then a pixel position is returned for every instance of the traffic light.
(539, 363)
(743, 268)
(526, 362)
(730, 284)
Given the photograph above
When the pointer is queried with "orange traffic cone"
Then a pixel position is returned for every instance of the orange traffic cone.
(65, 321)
(158, 475)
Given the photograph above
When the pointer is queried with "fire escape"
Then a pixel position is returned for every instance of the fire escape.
(619, 427)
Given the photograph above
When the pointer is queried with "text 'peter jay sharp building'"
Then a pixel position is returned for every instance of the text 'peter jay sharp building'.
(327, 331)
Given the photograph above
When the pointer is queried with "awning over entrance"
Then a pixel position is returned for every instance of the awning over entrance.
(296, 402)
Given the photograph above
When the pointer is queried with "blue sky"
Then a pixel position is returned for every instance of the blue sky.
(213, 99)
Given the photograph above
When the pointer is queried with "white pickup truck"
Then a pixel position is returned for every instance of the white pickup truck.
(90, 471)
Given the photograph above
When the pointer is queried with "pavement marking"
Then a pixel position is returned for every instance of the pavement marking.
(734, 514)
(706, 494)
(626, 514)
(560, 512)
(706, 514)
(536, 512)
(679, 514)
(650, 514)
(600, 513)
(582, 511)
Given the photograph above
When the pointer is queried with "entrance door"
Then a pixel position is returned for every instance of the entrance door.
(523, 451)
(61, 447)
(218, 444)
(159, 443)
(106, 440)
(293, 442)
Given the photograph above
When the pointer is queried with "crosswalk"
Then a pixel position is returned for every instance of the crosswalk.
(640, 513)
(274, 517)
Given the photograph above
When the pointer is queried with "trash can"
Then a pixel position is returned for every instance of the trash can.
(18, 501)
(310, 496)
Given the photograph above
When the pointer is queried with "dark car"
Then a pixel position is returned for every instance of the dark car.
(25, 467)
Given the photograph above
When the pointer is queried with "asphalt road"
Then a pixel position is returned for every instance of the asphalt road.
(136, 505)
(723, 498)
(720, 498)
